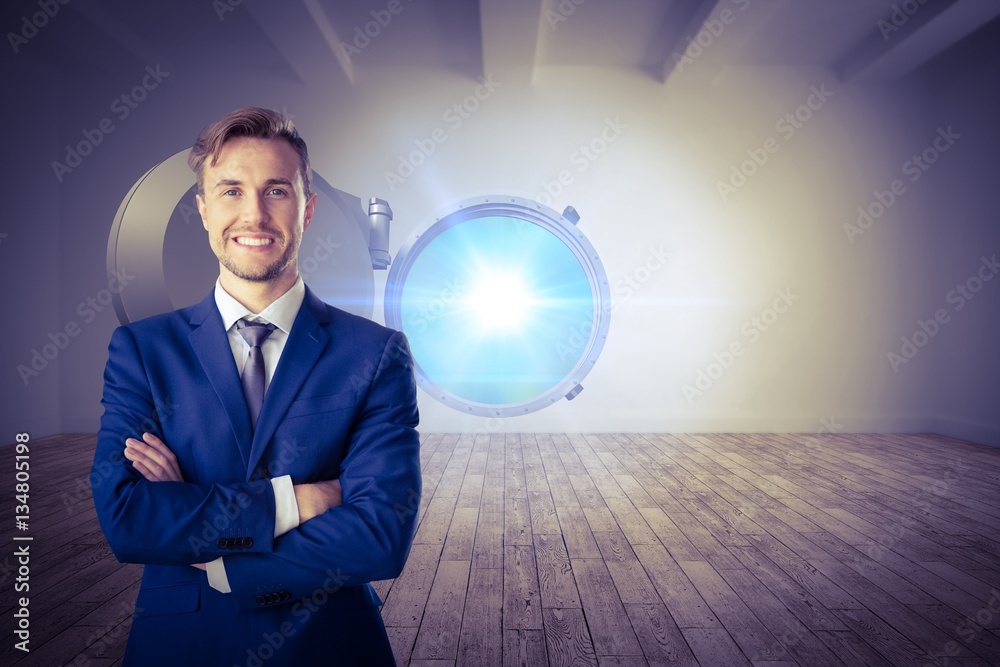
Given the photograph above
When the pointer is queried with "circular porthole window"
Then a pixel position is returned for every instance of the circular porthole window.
(505, 303)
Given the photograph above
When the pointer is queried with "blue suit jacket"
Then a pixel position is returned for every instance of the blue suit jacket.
(341, 404)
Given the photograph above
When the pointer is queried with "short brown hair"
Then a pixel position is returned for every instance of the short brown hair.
(247, 122)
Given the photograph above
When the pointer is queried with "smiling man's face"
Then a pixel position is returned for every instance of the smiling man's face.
(255, 210)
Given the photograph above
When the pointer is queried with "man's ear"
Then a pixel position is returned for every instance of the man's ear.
(200, 201)
(310, 209)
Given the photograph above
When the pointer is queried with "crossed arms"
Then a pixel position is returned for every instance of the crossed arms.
(154, 460)
(150, 515)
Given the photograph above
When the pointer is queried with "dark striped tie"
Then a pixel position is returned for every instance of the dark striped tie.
(254, 333)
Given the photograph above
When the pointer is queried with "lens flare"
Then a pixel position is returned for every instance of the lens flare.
(500, 303)
(500, 311)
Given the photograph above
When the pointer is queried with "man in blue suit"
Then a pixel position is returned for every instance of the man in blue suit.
(284, 476)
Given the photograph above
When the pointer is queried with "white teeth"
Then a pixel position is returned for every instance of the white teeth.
(247, 241)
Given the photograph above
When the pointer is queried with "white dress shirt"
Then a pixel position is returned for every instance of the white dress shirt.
(281, 313)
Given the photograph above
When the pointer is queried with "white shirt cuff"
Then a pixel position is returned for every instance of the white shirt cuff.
(286, 510)
(217, 578)
(286, 517)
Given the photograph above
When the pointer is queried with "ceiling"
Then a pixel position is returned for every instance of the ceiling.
(860, 39)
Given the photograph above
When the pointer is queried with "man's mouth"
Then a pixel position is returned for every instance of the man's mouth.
(251, 241)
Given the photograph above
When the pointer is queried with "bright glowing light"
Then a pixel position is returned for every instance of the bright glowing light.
(498, 311)
(500, 302)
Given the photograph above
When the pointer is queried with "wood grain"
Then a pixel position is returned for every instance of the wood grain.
(619, 549)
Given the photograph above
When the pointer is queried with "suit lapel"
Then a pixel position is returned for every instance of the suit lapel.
(211, 344)
(302, 350)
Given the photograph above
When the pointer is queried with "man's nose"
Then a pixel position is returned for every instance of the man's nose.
(254, 208)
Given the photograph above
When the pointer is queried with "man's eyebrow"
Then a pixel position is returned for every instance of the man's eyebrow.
(228, 182)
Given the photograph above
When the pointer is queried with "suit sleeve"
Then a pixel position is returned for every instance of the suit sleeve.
(164, 523)
(368, 537)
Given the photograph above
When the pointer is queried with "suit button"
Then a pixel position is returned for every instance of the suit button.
(261, 601)
(247, 542)
(231, 543)
(221, 543)
(284, 595)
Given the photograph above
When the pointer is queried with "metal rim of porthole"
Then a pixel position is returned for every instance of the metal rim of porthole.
(562, 226)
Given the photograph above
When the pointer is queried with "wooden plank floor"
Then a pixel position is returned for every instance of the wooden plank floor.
(554, 549)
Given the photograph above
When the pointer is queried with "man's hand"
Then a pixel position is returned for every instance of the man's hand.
(155, 462)
(314, 499)
(153, 459)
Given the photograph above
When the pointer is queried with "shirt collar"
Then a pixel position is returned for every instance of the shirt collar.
(281, 312)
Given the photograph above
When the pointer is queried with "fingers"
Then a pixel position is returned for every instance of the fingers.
(144, 470)
(162, 455)
(153, 459)
(148, 468)
(138, 462)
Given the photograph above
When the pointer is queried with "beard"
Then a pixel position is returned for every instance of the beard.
(257, 273)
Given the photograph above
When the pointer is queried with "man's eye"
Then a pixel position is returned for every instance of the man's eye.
(278, 192)
(230, 193)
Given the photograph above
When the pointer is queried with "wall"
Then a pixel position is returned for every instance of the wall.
(960, 224)
(821, 365)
